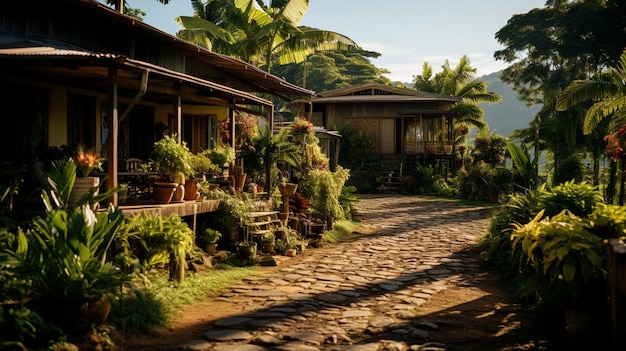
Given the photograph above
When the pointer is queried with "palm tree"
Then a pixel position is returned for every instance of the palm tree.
(269, 150)
(461, 82)
(607, 93)
(258, 33)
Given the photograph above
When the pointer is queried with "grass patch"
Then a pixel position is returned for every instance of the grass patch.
(342, 230)
(156, 302)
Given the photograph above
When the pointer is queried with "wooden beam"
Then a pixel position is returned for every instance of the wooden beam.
(113, 136)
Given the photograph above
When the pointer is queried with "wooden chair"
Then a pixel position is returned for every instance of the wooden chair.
(134, 183)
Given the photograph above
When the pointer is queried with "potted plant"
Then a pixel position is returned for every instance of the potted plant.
(208, 240)
(86, 162)
(323, 189)
(170, 158)
(268, 240)
(201, 165)
(64, 254)
(221, 155)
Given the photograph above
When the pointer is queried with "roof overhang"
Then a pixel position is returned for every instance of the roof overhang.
(58, 62)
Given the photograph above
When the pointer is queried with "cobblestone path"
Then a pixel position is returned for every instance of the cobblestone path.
(361, 294)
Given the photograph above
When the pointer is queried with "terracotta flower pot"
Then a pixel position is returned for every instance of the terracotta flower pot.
(163, 192)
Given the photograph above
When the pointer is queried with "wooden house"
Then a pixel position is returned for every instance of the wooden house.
(78, 72)
(403, 123)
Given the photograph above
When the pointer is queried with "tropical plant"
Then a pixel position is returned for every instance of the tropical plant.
(258, 33)
(348, 200)
(323, 188)
(607, 92)
(87, 161)
(567, 255)
(525, 168)
(579, 198)
(489, 148)
(268, 238)
(221, 154)
(209, 236)
(269, 150)
(201, 165)
(459, 81)
(153, 241)
(171, 157)
(64, 254)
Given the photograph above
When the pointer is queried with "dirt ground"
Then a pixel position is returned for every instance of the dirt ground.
(480, 316)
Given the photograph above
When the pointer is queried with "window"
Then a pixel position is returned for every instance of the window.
(81, 120)
(199, 131)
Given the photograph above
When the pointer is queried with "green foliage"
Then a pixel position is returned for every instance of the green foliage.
(342, 231)
(209, 236)
(268, 238)
(520, 209)
(159, 299)
(579, 198)
(489, 149)
(348, 199)
(430, 180)
(323, 188)
(201, 165)
(171, 157)
(525, 169)
(152, 240)
(220, 155)
(288, 239)
(270, 150)
(568, 256)
(478, 181)
(568, 169)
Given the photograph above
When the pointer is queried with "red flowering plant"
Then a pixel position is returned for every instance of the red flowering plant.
(616, 144)
(246, 129)
(301, 126)
(86, 161)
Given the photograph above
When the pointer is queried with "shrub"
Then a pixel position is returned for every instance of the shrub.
(579, 198)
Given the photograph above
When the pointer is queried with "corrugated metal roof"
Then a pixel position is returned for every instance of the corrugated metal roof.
(51, 51)
(382, 98)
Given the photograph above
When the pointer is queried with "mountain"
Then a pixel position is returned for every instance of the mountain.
(509, 114)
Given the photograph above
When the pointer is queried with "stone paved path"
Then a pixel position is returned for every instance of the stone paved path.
(359, 295)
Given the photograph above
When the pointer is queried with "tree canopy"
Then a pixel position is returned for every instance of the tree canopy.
(459, 81)
(258, 33)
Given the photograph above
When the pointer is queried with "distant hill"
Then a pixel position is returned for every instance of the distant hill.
(510, 113)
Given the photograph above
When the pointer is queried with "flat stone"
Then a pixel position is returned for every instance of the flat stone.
(268, 340)
(195, 345)
(227, 335)
(239, 347)
(359, 347)
(332, 297)
(231, 321)
(356, 313)
(308, 337)
(389, 287)
(295, 346)
(381, 322)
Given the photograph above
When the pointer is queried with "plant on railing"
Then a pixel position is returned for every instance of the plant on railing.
(221, 154)
(171, 157)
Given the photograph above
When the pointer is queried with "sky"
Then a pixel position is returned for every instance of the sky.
(406, 33)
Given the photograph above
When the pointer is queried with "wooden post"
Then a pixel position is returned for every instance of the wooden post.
(616, 268)
(112, 149)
